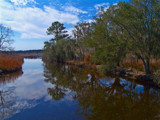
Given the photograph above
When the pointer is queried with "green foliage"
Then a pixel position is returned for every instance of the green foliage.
(81, 32)
(126, 28)
(157, 77)
(57, 49)
(105, 69)
(140, 21)
(58, 30)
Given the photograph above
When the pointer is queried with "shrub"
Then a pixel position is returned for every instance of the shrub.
(105, 69)
(157, 77)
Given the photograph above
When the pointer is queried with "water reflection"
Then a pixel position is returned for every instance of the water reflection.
(19, 92)
(44, 91)
(103, 98)
(5, 93)
(7, 78)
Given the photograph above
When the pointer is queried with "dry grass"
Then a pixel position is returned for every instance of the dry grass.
(10, 62)
(138, 64)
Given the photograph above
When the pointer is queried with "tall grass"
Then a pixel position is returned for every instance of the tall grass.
(10, 62)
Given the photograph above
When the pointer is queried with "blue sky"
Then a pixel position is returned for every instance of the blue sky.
(30, 18)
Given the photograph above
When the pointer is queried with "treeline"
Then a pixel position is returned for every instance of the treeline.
(126, 30)
(24, 51)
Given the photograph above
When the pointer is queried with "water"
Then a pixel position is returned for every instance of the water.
(59, 92)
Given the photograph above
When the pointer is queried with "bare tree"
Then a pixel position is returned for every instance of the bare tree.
(5, 37)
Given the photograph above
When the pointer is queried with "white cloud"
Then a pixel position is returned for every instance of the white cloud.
(74, 10)
(115, 4)
(105, 5)
(90, 20)
(22, 2)
(32, 22)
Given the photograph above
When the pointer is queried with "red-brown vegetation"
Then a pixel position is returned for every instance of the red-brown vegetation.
(10, 62)
(87, 59)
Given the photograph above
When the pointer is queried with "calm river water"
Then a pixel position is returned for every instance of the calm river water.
(46, 91)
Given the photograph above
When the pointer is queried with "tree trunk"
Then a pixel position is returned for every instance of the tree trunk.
(146, 66)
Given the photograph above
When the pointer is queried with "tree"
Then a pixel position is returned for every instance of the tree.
(57, 48)
(107, 38)
(81, 32)
(128, 27)
(58, 30)
(5, 37)
(141, 22)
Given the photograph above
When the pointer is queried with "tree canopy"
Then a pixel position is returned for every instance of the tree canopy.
(122, 30)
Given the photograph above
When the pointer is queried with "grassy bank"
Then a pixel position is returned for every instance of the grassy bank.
(10, 62)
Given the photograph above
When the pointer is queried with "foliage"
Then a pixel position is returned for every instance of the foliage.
(106, 69)
(58, 30)
(57, 49)
(127, 28)
(140, 21)
(81, 32)
(157, 77)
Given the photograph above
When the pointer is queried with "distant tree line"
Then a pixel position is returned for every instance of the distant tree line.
(125, 29)
(24, 51)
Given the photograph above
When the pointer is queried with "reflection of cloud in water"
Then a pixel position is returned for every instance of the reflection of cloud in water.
(31, 85)
(30, 88)
(15, 108)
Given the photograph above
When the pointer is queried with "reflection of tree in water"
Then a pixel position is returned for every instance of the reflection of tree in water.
(5, 102)
(118, 103)
(6, 94)
(62, 77)
(57, 92)
(118, 100)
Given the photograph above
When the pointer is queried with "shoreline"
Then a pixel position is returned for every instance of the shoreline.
(128, 73)
(4, 72)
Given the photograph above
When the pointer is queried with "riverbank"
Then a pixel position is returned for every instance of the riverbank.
(10, 63)
(124, 72)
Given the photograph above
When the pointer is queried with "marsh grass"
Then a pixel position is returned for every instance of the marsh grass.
(10, 62)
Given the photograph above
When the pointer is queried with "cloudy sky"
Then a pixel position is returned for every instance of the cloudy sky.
(30, 18)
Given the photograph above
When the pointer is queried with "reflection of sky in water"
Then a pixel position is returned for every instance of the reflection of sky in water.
(30, 93)
(30, 99)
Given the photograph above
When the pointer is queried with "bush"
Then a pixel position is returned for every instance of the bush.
(104, 69)
(157, 77)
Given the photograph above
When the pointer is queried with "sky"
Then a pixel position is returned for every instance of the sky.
(29, 19)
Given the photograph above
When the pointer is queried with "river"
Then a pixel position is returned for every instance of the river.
(45, 91)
